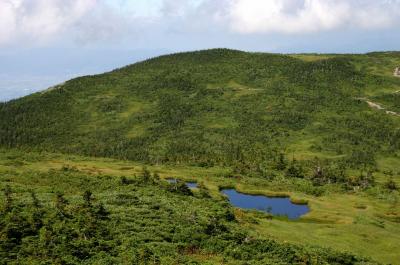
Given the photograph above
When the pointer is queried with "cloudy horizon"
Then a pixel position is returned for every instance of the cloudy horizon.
(46, 41)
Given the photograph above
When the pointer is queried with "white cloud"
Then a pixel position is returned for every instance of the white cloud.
(286, 16)
(303, 16)
(102, 23)
(280, 16)
(176, 8)
(42, 18)
(377, 14)
(7, 20)
(39, 20)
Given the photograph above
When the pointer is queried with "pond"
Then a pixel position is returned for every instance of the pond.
(172, 181)
(273, 205)
(190, 185)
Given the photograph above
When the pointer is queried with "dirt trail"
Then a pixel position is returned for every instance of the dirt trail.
(397, 72)
(374, 105)
(377, 106)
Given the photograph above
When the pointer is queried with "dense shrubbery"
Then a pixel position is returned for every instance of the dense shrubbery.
(135, 220)
(61, 234)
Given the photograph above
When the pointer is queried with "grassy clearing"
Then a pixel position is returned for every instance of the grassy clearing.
(311, 57)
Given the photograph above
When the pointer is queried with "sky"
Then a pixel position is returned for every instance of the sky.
(44, 42)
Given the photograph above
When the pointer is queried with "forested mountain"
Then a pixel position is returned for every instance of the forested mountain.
(248, 111)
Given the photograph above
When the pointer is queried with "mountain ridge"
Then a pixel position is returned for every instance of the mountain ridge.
(216, 107)
(291, 55)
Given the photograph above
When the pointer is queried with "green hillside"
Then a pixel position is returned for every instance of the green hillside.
(322, 129)
(217, 107)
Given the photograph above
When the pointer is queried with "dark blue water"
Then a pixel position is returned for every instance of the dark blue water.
(190, 185)
(275, 206)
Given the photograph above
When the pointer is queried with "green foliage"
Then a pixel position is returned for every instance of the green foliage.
(120, 224)
(245, 112)
(361, 181)
(59, 234)
(391, 185)
(213, 108)
(295, 170)
(330, 173)
(281, 162)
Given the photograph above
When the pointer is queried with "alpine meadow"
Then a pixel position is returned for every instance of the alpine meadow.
(95, 170)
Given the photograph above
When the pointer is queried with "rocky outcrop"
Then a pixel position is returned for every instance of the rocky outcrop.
(397, 72)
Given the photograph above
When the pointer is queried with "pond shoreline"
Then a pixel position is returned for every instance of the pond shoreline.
(271, 194)
(276, 206)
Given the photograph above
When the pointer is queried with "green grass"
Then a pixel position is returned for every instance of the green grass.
(312, 57)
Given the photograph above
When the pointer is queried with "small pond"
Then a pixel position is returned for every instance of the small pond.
(273, 205)
(190, 185)
(172, 181)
